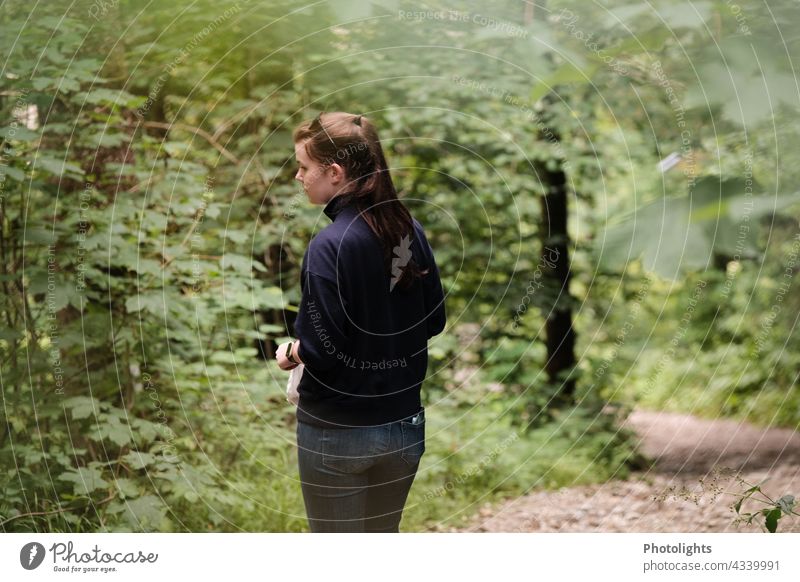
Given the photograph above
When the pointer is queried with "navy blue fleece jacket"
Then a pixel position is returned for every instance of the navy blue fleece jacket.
(365, 344)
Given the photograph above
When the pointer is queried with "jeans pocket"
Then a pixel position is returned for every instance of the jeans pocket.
(413, 441)
(347, 450)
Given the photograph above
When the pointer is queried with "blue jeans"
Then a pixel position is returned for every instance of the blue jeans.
(357, 479)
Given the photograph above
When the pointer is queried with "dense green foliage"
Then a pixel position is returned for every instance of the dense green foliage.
(152, 234)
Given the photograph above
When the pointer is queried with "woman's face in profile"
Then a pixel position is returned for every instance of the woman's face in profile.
(319, 182)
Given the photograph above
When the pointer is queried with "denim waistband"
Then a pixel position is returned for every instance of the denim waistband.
(420, 414)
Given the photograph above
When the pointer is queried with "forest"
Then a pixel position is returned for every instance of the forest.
(610, 190)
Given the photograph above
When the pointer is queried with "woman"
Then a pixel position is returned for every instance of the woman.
(371, 299)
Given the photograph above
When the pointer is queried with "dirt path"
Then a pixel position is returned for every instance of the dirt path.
(690, 489)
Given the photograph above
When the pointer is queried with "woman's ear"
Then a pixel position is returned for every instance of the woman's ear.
(337, 173)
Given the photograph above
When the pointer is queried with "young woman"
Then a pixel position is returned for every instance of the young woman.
(371, 299)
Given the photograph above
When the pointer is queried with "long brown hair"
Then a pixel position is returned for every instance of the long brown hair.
(352, 142)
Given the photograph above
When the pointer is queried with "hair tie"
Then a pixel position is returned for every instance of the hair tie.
(357, 120)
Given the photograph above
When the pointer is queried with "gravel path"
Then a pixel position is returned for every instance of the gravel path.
(699, 467)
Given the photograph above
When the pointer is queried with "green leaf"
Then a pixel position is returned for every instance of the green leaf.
(237, 236)
(728, 239)
(112, 429)
(772, 517)
(68, 85)
(36, 234)
(18, 133)
(14, 173)
(761, 205)
(745, 80)
(59, 167)
(147, 512)
(269, 298)
(112, 97)
(711, 195)
(41, 83)
(236, 262)
(147, 430)
(152, 301)
(119, 434)
(85, 479)
(106, 139)
(223, 357)
(662, 234)
(127, 488)
(82, 406)
(139, 460)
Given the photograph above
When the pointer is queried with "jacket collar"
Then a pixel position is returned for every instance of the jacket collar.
(335, 205)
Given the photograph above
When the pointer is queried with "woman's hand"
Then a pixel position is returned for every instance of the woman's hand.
(283, 358)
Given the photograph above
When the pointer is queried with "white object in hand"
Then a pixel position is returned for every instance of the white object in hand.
(292, 395)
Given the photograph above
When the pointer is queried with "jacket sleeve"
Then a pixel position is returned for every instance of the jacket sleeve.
(432, 289)
(321, 324)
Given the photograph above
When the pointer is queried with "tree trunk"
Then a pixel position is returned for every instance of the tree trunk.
(554, 264)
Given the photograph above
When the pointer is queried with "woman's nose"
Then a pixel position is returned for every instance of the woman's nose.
(298, 177)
